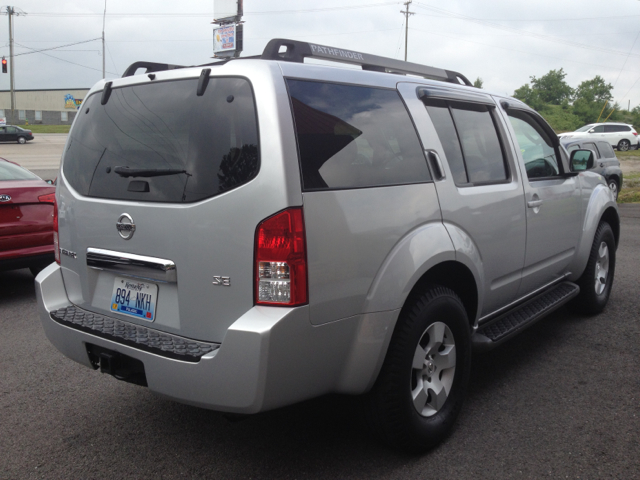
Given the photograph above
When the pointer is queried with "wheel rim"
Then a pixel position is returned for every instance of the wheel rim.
(624, 146)
(614, 188)
(433, 369)
(602, 268)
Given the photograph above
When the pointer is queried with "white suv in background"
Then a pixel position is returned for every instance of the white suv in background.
(620, 135)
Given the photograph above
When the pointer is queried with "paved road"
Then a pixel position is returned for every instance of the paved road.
(40, 155)
(559, 401)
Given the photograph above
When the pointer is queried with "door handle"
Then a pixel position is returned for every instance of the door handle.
(436, 164)
(534, 203)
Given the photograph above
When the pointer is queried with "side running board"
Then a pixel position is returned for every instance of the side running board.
(514, 321)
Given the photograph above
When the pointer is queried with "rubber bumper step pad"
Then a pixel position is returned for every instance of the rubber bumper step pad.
(136, 336)
(529, 312)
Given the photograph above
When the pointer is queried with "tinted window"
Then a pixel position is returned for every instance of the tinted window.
(536, 146)
(207, 145)
(351, 136)
(592, 147)
(480, 144)
(616, 128)
(12, 130)
(470, 141)
(443, 123)
(598, 129)
(606, 150)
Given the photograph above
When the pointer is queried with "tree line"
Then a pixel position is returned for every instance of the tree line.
(567, 108)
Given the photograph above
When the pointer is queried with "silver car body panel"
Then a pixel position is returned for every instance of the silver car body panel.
(366, 248)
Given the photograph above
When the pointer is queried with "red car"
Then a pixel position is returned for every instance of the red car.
(26, 219)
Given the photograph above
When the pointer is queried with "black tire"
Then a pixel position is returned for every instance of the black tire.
(22, 140)
(391, 411)
(594, 292)
(615, 187)
(623, 145)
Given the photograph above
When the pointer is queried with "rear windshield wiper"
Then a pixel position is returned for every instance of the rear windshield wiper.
(147, 172)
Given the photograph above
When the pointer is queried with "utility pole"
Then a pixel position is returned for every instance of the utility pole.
(406, 23)
(103, 19)
(10, 12)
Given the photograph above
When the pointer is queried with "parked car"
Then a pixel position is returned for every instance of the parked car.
(12, 133)
(269, 231)
(26, 219)
(605, 163)
(619, 135)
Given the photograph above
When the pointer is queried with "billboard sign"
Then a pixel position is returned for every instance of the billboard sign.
(224, 39)
(225, 11)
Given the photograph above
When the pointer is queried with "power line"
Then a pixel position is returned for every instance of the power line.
(54, 48)
(67, 61)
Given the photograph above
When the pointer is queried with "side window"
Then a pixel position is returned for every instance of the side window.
(351, 137)
(470, 141)
(606, 150)
(593, 148)
(598, 129)
(573, 147)
(538, 151)
(11, 130)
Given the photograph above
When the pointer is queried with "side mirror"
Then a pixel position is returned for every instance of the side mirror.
(592, 130)
(50, 182)
(581, 160)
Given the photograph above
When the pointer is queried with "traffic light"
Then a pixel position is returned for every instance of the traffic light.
(4, 65)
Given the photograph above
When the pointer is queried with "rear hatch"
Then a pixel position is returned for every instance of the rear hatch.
(155, 204)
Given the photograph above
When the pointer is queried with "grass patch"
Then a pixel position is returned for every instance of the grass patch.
(48, 128)
(628, 155)
(629, 195)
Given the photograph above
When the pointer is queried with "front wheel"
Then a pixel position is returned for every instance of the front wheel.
(597, 279)
(424, 378)
(21, 140)
(623, 145)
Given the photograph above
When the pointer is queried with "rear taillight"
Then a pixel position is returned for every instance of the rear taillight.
(635, 133)
(49, 198)
(56, 244)
(281, 260)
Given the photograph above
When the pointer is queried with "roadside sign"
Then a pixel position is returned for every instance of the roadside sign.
(224, 39)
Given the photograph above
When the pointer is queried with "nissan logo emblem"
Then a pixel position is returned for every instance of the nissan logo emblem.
(4, 197)
(125, 226)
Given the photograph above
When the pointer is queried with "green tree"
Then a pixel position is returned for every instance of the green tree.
(552, 88)
(590, 98)
(478, 83)
(529, 96)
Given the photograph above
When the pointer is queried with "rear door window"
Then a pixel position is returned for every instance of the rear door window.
(161, 142)
(470, 140)
(354, 136)
(606, 150)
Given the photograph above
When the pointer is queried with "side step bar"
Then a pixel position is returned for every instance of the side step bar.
(514, 321)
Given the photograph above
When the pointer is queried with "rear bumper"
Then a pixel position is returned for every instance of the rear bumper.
(270, 357)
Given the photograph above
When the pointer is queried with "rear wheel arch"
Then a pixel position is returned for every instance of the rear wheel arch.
(454, 276)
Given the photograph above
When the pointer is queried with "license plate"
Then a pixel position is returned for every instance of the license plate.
(135, 298)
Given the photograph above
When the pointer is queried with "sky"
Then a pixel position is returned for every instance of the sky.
(503, 42)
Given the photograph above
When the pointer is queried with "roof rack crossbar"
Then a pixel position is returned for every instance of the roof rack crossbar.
(296, 51)
(150, 66)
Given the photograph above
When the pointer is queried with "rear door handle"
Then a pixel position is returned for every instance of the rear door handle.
(534, 203)
(436, 164)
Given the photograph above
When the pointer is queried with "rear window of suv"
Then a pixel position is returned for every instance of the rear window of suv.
(161, 142)
(354, 136)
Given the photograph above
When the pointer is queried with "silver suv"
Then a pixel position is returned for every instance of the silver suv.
(255, 232)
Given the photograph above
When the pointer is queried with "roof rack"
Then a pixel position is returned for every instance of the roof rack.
(150, 66)
(295, 51)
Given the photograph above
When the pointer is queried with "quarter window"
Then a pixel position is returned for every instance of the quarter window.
(352, 137)
(470, 141)
(538, 150)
